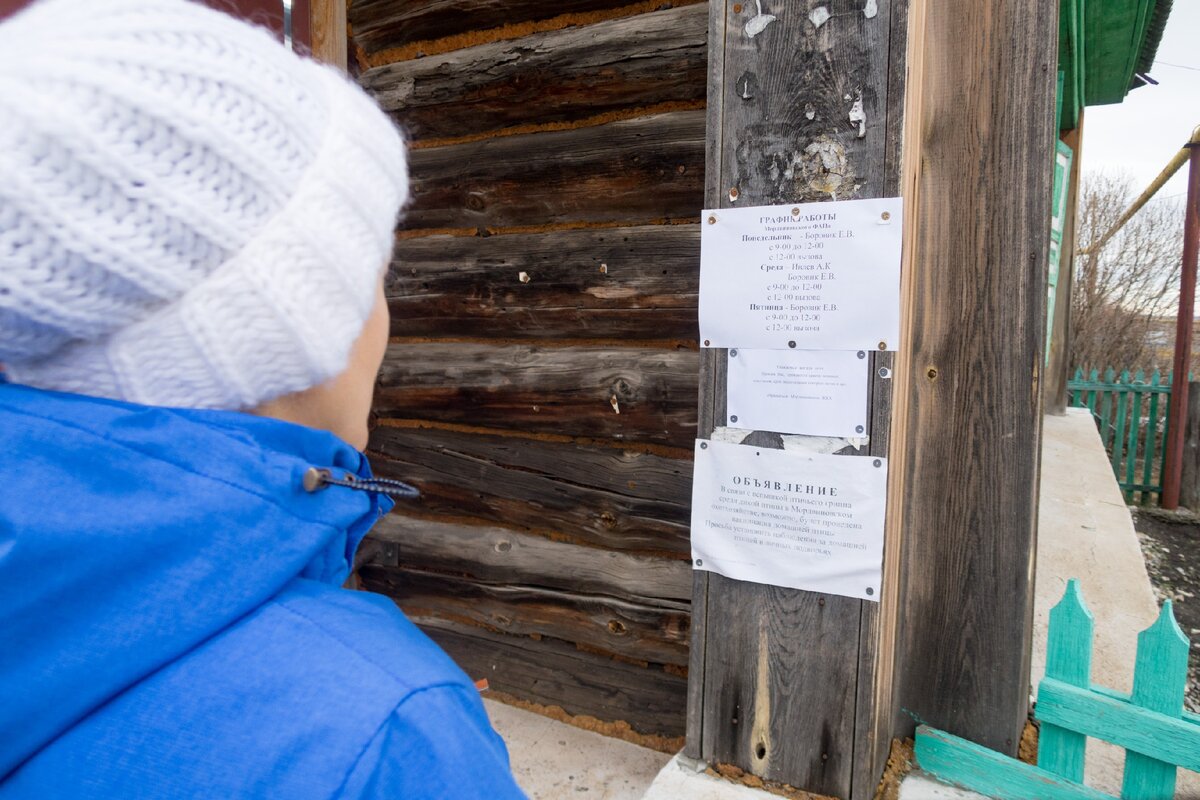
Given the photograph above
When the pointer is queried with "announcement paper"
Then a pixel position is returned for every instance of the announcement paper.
(789, 519)
(812, 392)
(813, 276)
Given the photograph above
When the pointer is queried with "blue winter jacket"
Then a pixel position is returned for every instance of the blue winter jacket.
(171, 622)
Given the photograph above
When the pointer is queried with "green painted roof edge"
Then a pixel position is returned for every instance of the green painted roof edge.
(1154, 33)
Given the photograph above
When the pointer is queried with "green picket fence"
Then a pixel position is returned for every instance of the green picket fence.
(1158, 735)
(1131, 414)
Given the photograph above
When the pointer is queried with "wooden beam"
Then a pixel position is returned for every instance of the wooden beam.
(559, 76)
(782, 681)
(327, 20)
(964, 485)
(556, 673)
(601, 173)
(631, 394)
(603, 497)
(625, 284)
(1058, 371)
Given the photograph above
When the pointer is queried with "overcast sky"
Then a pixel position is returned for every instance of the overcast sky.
(1141, 134)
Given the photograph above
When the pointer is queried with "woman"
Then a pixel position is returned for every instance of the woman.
(194, 225)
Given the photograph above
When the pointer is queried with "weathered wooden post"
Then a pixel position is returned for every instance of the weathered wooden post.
(1189, 487)
(808, 102)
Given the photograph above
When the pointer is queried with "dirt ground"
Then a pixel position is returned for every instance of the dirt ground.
(1171, 545)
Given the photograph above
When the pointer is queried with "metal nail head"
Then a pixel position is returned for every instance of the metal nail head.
(884, 372)
(699, 562)
(707, 342)
(733, 418)
(862, 353)
(858, 428)
(792, 344)
(733, 353)
(877, 463)
(795, 211)
(704, 445)
(870, 591)
(883, 345)
(712, 219)
(886, 215)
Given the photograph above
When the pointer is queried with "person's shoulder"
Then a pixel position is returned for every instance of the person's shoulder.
(365, 629)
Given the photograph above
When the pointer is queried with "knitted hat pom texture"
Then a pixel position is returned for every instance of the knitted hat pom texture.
(190, 214)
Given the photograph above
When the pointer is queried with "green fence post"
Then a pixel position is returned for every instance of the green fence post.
(1068, 659)
(1151, 427)
(1159, 680)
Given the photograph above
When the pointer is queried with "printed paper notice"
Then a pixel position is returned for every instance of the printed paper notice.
(813, 276)
(811, 392)
(790, 519)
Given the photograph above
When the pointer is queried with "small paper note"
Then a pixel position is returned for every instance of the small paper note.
(811, 276)
(811, 392)
(790, 519)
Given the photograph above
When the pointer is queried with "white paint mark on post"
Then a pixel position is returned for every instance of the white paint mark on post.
(759, 22)
(871, 9)
(810, 112)
(859, 116)
(523, 277)
(819, 16)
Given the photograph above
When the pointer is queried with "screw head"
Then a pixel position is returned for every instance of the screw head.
(733, 353)
(704, 445)
(699, 562)
(884, 372)
(886, 215)
(858, 428)
(792, 344)
(877, 463)
(733, 418)
(707, 342)
(870, 591)
(712, 219)
(862, 353)
(883, 345)
(795, 211)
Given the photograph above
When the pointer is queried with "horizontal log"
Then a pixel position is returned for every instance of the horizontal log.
(502, 555)
(620, 627)
(605, 497)
(636, 170)
(620, 283)
(626, 394)
(384, 24)
(556, 673)
(557, 76)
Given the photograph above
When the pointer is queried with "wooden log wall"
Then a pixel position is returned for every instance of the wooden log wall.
(540, 385)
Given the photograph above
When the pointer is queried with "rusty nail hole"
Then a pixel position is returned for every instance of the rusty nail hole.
(824, 756)
(760, 752)
(504, 547)
(712, 219)
(821, 601)
(733, 193)
(616, 626)
(681, 169)
(737, 8)
(931, 373)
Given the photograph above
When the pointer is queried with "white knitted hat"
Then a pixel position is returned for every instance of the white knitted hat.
(190, 215)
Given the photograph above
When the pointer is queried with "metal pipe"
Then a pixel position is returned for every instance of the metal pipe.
(1168, 171)
(1176, 422)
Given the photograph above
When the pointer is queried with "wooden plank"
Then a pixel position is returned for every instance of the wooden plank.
(782, 667)
(656, 634)
(556, 673)
(1159, 684)
(385, 24)
(503, 555)
(649, 168)
(629, 283)
(627, 394)
(772, 702)
(1151, 737)
(962, 763)
(979, 252)
(601, 496)
(1068, 659)
(553, 77)
(327, 21)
